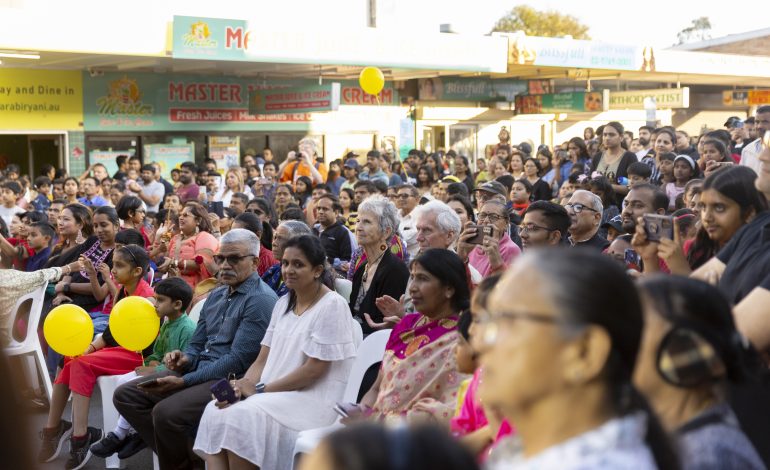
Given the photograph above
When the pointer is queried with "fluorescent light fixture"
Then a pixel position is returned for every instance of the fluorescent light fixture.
(17, 55)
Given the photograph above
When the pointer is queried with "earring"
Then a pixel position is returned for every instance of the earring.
(383, 247)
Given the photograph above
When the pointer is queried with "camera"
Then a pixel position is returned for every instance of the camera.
(481, 230)
(658, 227)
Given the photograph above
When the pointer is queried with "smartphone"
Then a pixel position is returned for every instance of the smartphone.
(148, 383)
(658, 227)
(632, 259)
(347, 410)
(217, 207)
(223, 391)
(481, 230)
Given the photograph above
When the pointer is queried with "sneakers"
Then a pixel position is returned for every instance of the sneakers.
(80, 450)
(107, 446)
(133, 444)
(53, 441)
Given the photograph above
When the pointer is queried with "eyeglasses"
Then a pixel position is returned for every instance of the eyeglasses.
(528, 228)
(404, 196)
(490, 217)
(578, 208)
(490, 329)
(232, 260)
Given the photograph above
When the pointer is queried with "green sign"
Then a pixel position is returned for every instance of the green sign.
(309, 99)
(574, 102)
(469, 89)
(169, 102)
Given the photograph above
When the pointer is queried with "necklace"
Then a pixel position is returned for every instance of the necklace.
(370, 263)
(317, 296)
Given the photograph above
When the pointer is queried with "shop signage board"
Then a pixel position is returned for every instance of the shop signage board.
(469, 89)
(737, 98)
(574, 53)
(574, 102)
(236, 40)
(225, 150)
(170, 102)
(169, 156)
(309, 99)
(759, 97)
(405, 137)
(31, 100)
(667, 98)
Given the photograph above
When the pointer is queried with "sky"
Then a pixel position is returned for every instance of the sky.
(621, 21)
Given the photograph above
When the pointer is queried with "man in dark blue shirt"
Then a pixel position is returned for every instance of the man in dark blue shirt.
(226, 342)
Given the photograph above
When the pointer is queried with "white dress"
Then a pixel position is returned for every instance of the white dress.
(263, 428)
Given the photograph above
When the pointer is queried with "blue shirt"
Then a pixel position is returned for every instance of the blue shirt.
(97, 201)
(230, 330)
(41, 203)
(39, 260)
(378, 175)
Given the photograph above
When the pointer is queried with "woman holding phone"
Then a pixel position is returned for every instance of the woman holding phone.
(495, 251)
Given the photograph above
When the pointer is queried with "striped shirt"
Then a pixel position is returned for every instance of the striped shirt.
(230, 330)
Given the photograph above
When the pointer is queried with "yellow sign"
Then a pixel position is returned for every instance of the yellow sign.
(40, 99)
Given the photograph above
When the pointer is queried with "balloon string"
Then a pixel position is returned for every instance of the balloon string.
(378, 99)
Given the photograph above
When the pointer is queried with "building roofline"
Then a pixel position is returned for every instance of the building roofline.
(730, 38)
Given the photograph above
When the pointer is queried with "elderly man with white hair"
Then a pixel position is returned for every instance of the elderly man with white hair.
(585, 211)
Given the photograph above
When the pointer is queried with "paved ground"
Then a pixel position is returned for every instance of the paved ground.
(141, 461)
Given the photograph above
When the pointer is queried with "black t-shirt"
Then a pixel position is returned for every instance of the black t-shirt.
(597, 242)
(336, 241)
(747, 259)
(541, 191)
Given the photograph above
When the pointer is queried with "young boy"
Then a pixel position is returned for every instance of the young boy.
(172, 297)
(57, 188)
(11, 192)
(39, 238)
(666, 169)
(172, 202)
(43, 199)
(638, 173)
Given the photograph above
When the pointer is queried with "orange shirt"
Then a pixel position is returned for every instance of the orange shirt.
(290, 176)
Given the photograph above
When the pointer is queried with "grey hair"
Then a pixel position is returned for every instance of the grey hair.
(241, 235)
(386, 212)
(310, 141)
(296, 228)
(596, 201)
(446, 218)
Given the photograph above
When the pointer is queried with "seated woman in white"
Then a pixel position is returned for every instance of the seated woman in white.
(299, 375)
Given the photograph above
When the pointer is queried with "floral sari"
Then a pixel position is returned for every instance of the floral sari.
(419, 372)
(199, 250)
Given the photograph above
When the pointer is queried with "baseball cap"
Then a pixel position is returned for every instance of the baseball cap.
(686, 158)
(616, 223)
(350, 155)
(352, 163)
(525, 147)
(494, 187)
(732, 121)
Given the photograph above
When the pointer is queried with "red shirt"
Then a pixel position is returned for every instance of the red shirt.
(188, 193)
(142, 290)
(21, 264)
(266, 259)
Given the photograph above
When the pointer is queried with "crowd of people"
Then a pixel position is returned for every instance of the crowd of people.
(597, 304)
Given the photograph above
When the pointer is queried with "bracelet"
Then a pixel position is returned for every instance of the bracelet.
(184, 265)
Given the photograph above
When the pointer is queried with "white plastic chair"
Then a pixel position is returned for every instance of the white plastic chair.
(31, 343)
(195, 313)
(107, 385)
(369, 353)
(343, 287)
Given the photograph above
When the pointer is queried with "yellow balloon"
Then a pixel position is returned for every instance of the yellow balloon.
(371, 80)
(134, 323)
(68, 330)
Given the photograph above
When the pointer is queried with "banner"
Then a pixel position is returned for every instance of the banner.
(469, 89)
(170, 102)
(40, 99)
(405, 137)
(667, 98)
(574, 102)
(560, 52)
(737, 98)
(759, 97)
(311, 99)
(226, 151)
(169, 156)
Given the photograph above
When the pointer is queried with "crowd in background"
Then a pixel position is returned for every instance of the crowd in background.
(596, 304)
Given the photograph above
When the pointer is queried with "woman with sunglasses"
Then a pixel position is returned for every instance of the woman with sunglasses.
(558, 356)
(691, 354)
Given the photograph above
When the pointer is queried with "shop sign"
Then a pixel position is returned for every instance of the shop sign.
(309, 99)
(169, 156)
(759, 97)
(237, 40)
(738, 98)
(667, 98)
(40, 99)
(469, 89)
(573, 53)
(225, 150)
(405, 137)
(574, 102)
(168, 102)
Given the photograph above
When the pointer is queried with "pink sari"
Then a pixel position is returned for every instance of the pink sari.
(419, 372)
(203, 245)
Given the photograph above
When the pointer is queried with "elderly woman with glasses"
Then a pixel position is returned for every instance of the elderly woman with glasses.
(487, 246)
(381, 273)
(558, 357)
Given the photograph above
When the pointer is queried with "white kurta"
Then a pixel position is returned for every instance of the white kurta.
(263, 428)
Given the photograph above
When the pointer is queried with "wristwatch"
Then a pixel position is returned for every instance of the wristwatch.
(66, 288)
(259, 388)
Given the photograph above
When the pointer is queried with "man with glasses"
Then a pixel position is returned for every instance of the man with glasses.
(495, 251)
(167, 407)
(585, 212)
(407, 198)
(544, 224)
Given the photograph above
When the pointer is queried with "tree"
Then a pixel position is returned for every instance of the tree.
(699, 30)
(533, 22)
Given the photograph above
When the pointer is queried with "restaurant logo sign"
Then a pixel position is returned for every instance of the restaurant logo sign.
(124, 97)
(199, 35)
